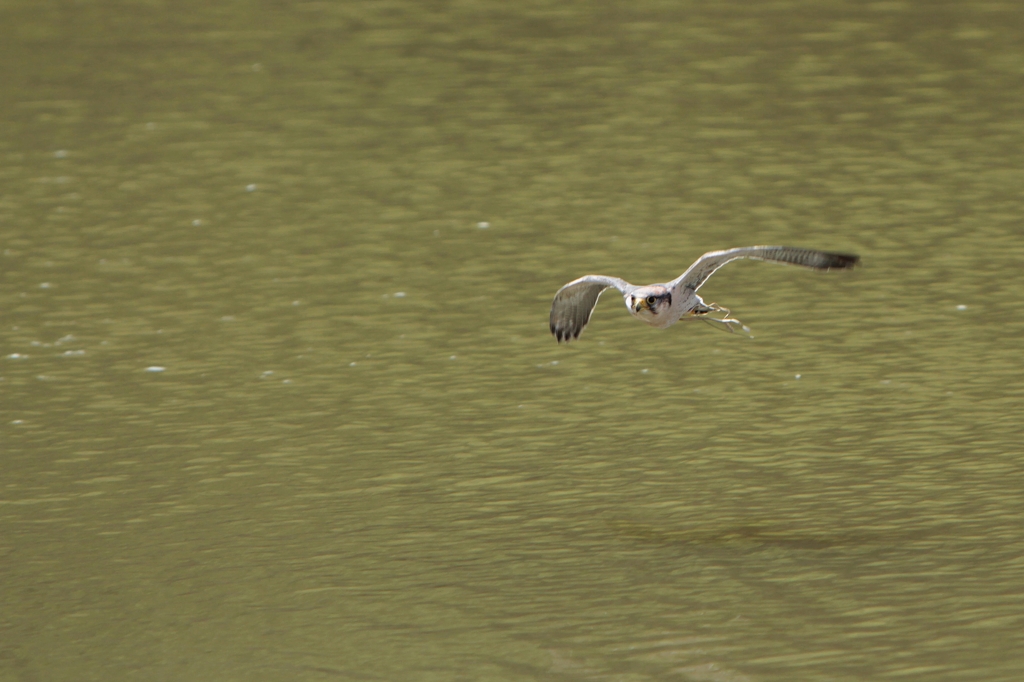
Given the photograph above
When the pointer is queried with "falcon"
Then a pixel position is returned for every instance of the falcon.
(662, 305)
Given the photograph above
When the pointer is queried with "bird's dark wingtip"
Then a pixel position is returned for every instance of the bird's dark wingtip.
(842, 261)
(565, 335)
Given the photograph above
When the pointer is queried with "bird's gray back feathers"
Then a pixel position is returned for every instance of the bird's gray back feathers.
(706, 265)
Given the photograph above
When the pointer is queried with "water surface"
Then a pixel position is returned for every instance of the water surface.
(279, 400)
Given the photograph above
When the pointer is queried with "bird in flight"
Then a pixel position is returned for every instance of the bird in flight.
(662, 305)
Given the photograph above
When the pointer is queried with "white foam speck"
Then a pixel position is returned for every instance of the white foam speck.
(155, 368)
(961, 307)
(250, 188)
(483, 225)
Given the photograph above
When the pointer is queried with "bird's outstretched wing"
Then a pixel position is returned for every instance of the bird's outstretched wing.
(573, 304)
(705, 266)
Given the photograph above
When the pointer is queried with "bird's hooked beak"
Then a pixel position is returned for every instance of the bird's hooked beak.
(641, 303)
(650, 302)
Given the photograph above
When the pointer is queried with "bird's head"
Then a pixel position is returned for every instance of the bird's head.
(649, 303)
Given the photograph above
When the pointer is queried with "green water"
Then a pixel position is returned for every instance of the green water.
(366, 458)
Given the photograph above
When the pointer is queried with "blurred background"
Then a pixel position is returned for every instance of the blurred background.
(278, 399)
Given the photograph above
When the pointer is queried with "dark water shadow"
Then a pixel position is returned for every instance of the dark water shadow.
(771, 535)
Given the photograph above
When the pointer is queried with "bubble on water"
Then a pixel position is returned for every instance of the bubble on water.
(155, 368)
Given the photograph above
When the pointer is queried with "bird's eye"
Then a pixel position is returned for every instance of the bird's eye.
(651, 300)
